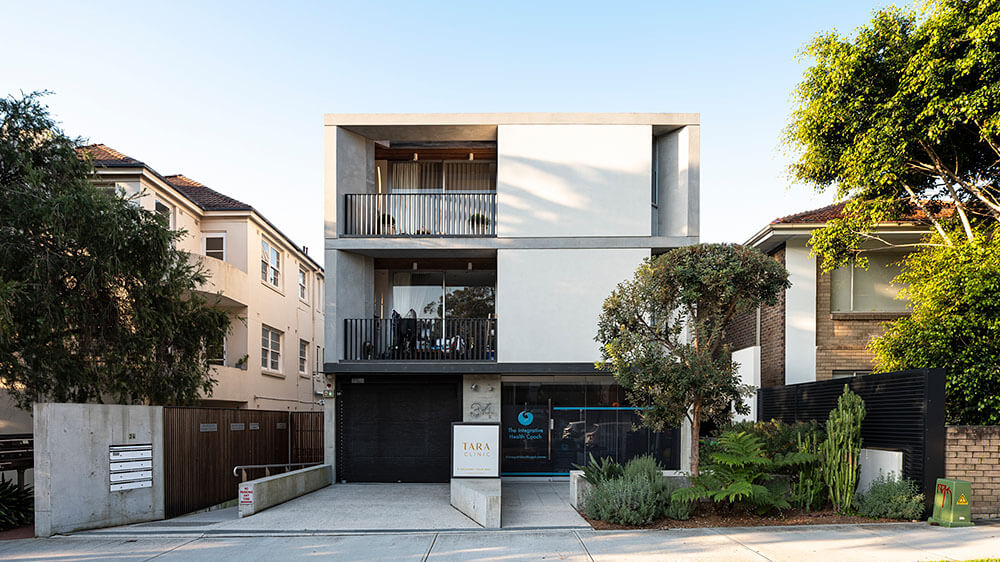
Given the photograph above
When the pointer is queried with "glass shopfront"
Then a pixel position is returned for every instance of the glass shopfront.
(547, 426)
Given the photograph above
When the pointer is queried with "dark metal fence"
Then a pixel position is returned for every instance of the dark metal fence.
(17, 453)
(203, 445)
(904, 412)
(420, 339)
(401, 215)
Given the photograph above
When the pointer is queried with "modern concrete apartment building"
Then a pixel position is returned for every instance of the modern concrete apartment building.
(468, 256)
(821, 326)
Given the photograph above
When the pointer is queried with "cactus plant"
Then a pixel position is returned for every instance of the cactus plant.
(842, 449)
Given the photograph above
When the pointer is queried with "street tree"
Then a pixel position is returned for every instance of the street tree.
(662, 332)
(97, 301)
(903, 119)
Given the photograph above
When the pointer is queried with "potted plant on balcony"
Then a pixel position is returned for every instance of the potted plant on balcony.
(241, 363)
(387, 224)
(480, 223)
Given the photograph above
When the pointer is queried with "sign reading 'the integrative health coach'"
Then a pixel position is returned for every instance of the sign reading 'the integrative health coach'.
(475, 450)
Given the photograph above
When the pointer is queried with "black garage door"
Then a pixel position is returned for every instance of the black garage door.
(395, 429)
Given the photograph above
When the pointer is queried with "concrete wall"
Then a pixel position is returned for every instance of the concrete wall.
(800, 314)
(72, 468)
(574, 180)
(482, 403)
(351, 295)
(678, 182)
(749, 373)
(548, 301)
(257, 495)
(972, 453)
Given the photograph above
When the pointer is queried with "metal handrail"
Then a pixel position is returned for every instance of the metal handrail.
(268, 467)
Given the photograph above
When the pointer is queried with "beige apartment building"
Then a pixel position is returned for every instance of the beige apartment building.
(273, 356)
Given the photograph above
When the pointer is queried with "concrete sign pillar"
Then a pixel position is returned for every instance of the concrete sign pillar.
(475, 472)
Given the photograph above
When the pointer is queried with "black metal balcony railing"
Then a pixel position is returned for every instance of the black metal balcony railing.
(420, 339)
(449, 213)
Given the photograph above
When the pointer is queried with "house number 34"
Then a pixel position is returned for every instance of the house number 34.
(481, 409)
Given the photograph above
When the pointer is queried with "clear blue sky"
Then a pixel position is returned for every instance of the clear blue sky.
(232, 94)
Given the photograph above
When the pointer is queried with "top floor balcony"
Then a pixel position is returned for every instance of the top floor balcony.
(433, 214)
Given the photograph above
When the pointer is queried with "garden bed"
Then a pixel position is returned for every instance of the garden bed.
(707, 516)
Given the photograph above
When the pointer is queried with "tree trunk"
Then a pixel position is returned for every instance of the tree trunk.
(695, 429)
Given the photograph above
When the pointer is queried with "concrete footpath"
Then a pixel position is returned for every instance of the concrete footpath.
(899, 541)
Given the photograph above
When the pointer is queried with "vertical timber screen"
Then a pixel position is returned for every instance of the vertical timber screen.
(203, 445)
(904, 412)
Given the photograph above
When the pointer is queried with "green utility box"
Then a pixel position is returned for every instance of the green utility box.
(951, 503)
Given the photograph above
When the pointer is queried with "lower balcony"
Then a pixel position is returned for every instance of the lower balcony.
(420, 339)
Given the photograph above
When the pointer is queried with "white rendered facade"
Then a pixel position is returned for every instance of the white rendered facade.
(579, 201)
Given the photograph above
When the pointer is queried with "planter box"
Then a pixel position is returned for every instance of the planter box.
(579, 488)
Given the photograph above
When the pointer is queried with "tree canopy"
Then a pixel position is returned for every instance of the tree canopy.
(96, 301)
(903, 117)
(662, 331)
(955, 324)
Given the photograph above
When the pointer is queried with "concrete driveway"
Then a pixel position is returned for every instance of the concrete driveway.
(384, 508)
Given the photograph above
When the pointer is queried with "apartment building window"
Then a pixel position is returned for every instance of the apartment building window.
(319, 358)
(854, 289)
(217, 356)
(166, 211)
(303, 287)
(214, 245)
(270, 348)
(303, 356)
(270, 263)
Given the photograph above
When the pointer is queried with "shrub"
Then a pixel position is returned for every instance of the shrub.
(841, 449)
(625, 501)
(597, 471)
(740, 473)
(644, 466)
(889, 498)
(17, 505)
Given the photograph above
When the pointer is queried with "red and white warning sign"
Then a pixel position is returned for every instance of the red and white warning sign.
(246, 495)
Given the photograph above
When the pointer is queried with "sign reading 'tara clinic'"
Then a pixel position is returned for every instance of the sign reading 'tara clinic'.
(475, 451)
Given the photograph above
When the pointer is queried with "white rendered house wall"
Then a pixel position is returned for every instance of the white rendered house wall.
(800, 314)
(574, 180)
(548, 301)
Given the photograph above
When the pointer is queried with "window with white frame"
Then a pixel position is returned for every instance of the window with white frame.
(166, 211)
(270, 348)
(303, 285)
(217, 356)
(854, 289)
(303, 356)
(213, 245)
(270, 263)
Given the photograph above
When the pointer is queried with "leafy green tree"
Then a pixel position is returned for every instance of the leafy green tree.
(97, 301)
(903, 118)
(955, 324)
(662, 332)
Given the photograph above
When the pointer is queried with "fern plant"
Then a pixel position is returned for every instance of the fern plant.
(739, 472)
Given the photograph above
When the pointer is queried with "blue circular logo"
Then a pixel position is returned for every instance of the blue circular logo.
(525, 417)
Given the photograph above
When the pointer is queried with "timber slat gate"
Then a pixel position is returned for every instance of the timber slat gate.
(904, 411)
(202, 445)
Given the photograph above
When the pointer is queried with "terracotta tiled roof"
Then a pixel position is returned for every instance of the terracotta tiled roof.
(206, 198)
(836, 211)
(103, 155)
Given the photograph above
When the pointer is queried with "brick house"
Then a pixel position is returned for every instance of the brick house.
(820, 327)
